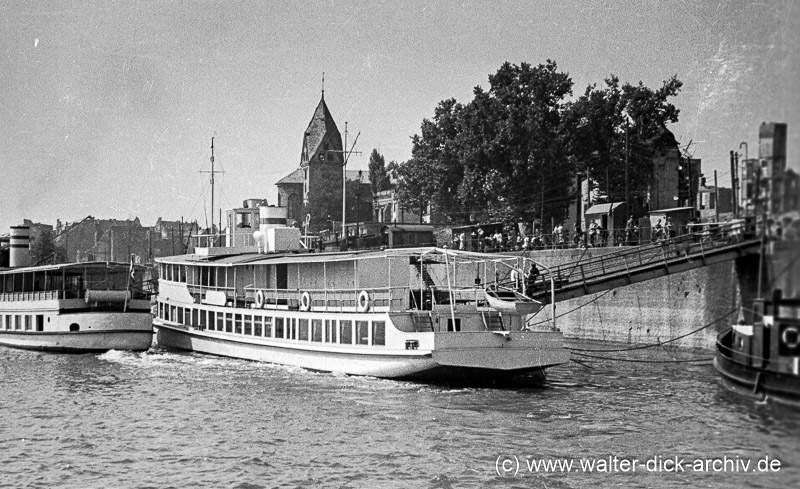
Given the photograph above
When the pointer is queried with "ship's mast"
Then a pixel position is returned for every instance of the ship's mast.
(212, 172)
(212, 181)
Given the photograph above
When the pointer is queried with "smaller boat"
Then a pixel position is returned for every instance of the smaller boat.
(762, 360)
(72, 307)
(510, 301)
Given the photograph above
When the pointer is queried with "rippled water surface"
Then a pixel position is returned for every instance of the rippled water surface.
(164, 419)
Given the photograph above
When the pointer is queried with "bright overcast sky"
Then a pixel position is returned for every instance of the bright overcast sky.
(108, 108)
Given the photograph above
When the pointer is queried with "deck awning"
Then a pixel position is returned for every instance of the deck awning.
(599, 209)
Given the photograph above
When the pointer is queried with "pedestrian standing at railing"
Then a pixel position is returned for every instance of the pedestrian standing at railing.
(657, 231)
(668, 228)
(629, 231)
(593, 232)
(559, 235)
(526, 243)
(578, 234)
(530, 280)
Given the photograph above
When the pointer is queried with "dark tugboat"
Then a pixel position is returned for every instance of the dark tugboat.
(762, 360)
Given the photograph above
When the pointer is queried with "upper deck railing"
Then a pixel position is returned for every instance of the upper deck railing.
(46, 295)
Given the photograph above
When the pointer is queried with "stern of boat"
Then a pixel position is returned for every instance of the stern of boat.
(504, 351)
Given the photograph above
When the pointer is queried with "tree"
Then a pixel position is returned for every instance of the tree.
(595, 127)
(497, 151)
(436, 158)
(415, 187)
(528, 173)
(613, 133)
(515, 148)
(359, 202)
(378, 176)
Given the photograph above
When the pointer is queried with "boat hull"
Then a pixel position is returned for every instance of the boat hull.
(461, 356)
(756, 383)
(286, 352)
(99, 332)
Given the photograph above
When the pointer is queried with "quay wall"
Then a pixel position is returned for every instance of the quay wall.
(697, 304)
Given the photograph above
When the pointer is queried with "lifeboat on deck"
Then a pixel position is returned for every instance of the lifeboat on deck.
(511, 301)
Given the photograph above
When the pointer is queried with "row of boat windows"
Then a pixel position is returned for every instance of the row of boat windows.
(338, 331)
(22, 322)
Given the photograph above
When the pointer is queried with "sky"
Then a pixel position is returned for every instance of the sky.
(108, 108)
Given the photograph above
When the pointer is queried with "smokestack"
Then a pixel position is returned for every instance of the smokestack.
(271, 218)
(20, 247)
(272, 234)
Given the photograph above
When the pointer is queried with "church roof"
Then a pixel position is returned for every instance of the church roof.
(297, 177)
(294, 177)
(321, 124)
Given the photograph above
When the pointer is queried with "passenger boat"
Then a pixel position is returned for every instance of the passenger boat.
(395, 313)
(72, 307)
(762, 360)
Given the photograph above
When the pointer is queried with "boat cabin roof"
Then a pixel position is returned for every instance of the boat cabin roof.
(94, 265)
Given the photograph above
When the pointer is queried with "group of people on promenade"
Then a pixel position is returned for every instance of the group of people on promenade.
(595, 236)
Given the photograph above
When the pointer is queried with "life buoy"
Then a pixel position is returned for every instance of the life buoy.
(259, 299)
(363, 301)
(305, 301)
(785, 337)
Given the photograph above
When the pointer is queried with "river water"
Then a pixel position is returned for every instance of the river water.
(163, 419)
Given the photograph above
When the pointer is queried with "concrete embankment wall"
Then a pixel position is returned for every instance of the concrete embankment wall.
(707, 299)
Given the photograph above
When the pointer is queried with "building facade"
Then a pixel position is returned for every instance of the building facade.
(772, 153)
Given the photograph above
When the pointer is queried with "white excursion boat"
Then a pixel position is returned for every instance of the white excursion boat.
(417, 313)
(72, 307)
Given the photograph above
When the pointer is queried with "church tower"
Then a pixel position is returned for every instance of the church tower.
(315, 188)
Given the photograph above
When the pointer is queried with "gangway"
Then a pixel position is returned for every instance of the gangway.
(633, 264)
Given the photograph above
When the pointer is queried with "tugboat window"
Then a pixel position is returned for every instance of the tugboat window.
(74, 327)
